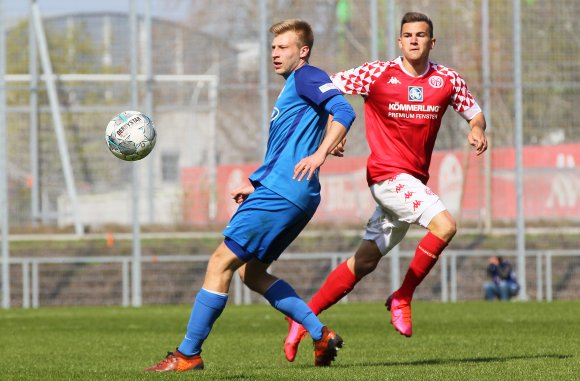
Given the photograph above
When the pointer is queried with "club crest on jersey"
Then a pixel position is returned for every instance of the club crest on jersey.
(415, 94)
(436, 82)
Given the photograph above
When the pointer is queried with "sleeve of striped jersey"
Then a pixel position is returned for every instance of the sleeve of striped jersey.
(357, 81)
(461, 99)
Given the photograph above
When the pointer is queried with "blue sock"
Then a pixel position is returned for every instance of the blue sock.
(206, 309)
(283, 298)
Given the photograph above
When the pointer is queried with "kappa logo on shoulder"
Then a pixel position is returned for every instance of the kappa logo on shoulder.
(394, 81)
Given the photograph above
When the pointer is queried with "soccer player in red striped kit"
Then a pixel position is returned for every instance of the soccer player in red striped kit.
(405, 100)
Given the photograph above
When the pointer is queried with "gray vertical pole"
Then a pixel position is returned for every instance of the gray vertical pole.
(56, 116)
(374, 30)
(4, 167)
(486, 111)
(33, 114)
(264, 57)
(212, 149)
(391, 30)
(149, 109)
(42, 46)
(136, 265)
(518, 130)
(539, 278)
(444, 276)
(391, 52)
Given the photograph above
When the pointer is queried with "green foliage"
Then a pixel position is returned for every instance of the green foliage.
(463, 341)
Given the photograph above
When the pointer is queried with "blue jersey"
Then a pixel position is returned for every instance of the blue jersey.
(297, 127)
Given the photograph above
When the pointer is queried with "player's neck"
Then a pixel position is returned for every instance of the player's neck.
(415, 69)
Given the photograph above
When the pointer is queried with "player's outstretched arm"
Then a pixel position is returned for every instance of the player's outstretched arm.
(476, 136)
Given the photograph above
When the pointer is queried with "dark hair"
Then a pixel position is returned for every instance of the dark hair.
(410, 17)
(301, 28)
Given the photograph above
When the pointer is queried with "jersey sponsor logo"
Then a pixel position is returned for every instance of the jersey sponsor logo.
(327, 87)
(436, 82)
(394, 81)
(415, 94)
(413, 107)
(275, 114)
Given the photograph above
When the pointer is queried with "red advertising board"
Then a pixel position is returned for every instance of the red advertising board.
(551, 182)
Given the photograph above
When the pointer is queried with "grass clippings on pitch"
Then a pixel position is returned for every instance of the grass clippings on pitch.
(462, 341)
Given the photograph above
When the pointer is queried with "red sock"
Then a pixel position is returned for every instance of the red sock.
(426, 256)
(340, 282)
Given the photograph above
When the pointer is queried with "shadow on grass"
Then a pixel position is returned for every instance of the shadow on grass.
(458, 361)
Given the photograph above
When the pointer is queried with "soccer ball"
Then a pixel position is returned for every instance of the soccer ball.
(130, 135)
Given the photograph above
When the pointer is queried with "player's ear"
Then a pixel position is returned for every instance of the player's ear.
(433, 42)
(304, 52)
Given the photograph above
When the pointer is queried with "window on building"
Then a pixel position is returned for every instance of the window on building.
(170, 167)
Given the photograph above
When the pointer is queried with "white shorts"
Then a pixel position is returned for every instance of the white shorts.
(401, 201)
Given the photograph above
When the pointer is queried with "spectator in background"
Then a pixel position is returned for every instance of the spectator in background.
(503, 283)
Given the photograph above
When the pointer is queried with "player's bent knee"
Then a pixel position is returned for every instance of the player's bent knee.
(443, 226)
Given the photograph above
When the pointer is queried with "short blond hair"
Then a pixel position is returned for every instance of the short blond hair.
(302, 29)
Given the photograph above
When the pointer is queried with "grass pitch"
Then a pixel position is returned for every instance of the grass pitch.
(462, 341)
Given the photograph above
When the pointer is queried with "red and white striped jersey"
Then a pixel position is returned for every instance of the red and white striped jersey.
(403, 113)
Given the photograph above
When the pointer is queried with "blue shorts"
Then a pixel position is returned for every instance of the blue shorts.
(264, 225)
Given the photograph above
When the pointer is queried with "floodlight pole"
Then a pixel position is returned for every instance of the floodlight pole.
(149, 98)
(264, 114)
(395, 253)
(33, 115)
(374, 17)
(518, 130)
(486, 77)
(4, 168)
(135, 194)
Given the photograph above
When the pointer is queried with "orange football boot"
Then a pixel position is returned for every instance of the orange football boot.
(326, 349)
(177, 362)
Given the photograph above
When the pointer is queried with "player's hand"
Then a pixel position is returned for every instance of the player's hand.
(308, 166)
(240, 194)
(338, 151)
(478, 140)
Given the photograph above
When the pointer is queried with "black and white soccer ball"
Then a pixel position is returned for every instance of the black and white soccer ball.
(131, 135)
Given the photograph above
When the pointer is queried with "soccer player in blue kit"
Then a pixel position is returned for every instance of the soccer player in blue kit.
(280, 199)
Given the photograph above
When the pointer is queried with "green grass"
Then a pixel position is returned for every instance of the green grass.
(462, 341)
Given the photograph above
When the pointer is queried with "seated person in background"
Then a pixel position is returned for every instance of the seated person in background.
(503, 283)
